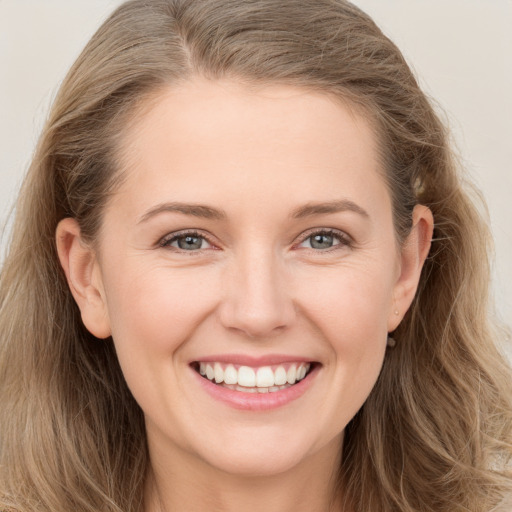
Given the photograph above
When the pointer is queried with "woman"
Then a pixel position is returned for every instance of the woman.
(225, 288)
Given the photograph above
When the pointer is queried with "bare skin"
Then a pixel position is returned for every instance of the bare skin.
(300, 490)
(251, 223)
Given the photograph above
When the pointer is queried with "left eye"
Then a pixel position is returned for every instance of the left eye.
(322, 240)
(188, 242)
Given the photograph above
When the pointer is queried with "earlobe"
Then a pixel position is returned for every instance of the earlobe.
(82, 271)
(414, 252)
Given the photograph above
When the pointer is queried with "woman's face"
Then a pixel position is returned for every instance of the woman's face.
(252, 237)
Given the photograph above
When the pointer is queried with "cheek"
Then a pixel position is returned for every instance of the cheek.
(350, 308)
(350, 305)
(157, 309)
(153, 315)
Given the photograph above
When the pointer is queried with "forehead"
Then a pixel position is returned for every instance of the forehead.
(195, 137)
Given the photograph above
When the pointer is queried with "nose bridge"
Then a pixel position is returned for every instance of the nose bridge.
(256, 296)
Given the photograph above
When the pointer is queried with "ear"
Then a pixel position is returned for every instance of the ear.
(413, 254)
(82, 271)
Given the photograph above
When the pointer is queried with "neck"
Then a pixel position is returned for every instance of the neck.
(187, 484)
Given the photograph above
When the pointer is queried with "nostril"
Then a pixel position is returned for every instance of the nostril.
(260, 309)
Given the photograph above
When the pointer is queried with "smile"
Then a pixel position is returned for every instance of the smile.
(247, 379)
(255, 383)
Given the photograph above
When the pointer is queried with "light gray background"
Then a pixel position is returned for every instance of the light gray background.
(460, 49)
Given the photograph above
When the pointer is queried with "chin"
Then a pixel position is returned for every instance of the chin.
(257, 456)
(255, 467)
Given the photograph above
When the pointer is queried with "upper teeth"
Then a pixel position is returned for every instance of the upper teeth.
(263, 377)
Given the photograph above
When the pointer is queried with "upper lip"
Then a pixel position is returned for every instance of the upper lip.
(253, 361)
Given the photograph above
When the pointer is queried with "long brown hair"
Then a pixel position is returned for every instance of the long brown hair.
(435, 433)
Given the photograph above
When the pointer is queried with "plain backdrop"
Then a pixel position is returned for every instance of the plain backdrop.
(460, 50)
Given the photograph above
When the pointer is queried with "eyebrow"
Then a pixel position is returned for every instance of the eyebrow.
(208, 212)
(196, 210)
(343, 205)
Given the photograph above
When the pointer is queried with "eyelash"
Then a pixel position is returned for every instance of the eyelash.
(169, 239)
(344, 241)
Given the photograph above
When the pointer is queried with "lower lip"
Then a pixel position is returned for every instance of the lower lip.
(257, 401)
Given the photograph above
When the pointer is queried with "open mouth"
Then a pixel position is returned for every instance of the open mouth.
(263, 379)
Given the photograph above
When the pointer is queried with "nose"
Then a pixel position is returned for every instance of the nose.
(257, 299)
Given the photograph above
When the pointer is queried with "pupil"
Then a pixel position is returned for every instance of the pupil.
(189, 242)
(321, 241)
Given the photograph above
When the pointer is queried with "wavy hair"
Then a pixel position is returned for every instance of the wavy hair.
(435, 434)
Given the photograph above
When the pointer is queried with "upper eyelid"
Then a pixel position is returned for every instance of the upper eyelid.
(177, 234)
(299, 239)
(341, 234)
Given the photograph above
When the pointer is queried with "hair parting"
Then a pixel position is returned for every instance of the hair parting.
(435, 435)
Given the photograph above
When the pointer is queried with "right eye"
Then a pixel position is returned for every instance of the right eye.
(188, 241)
